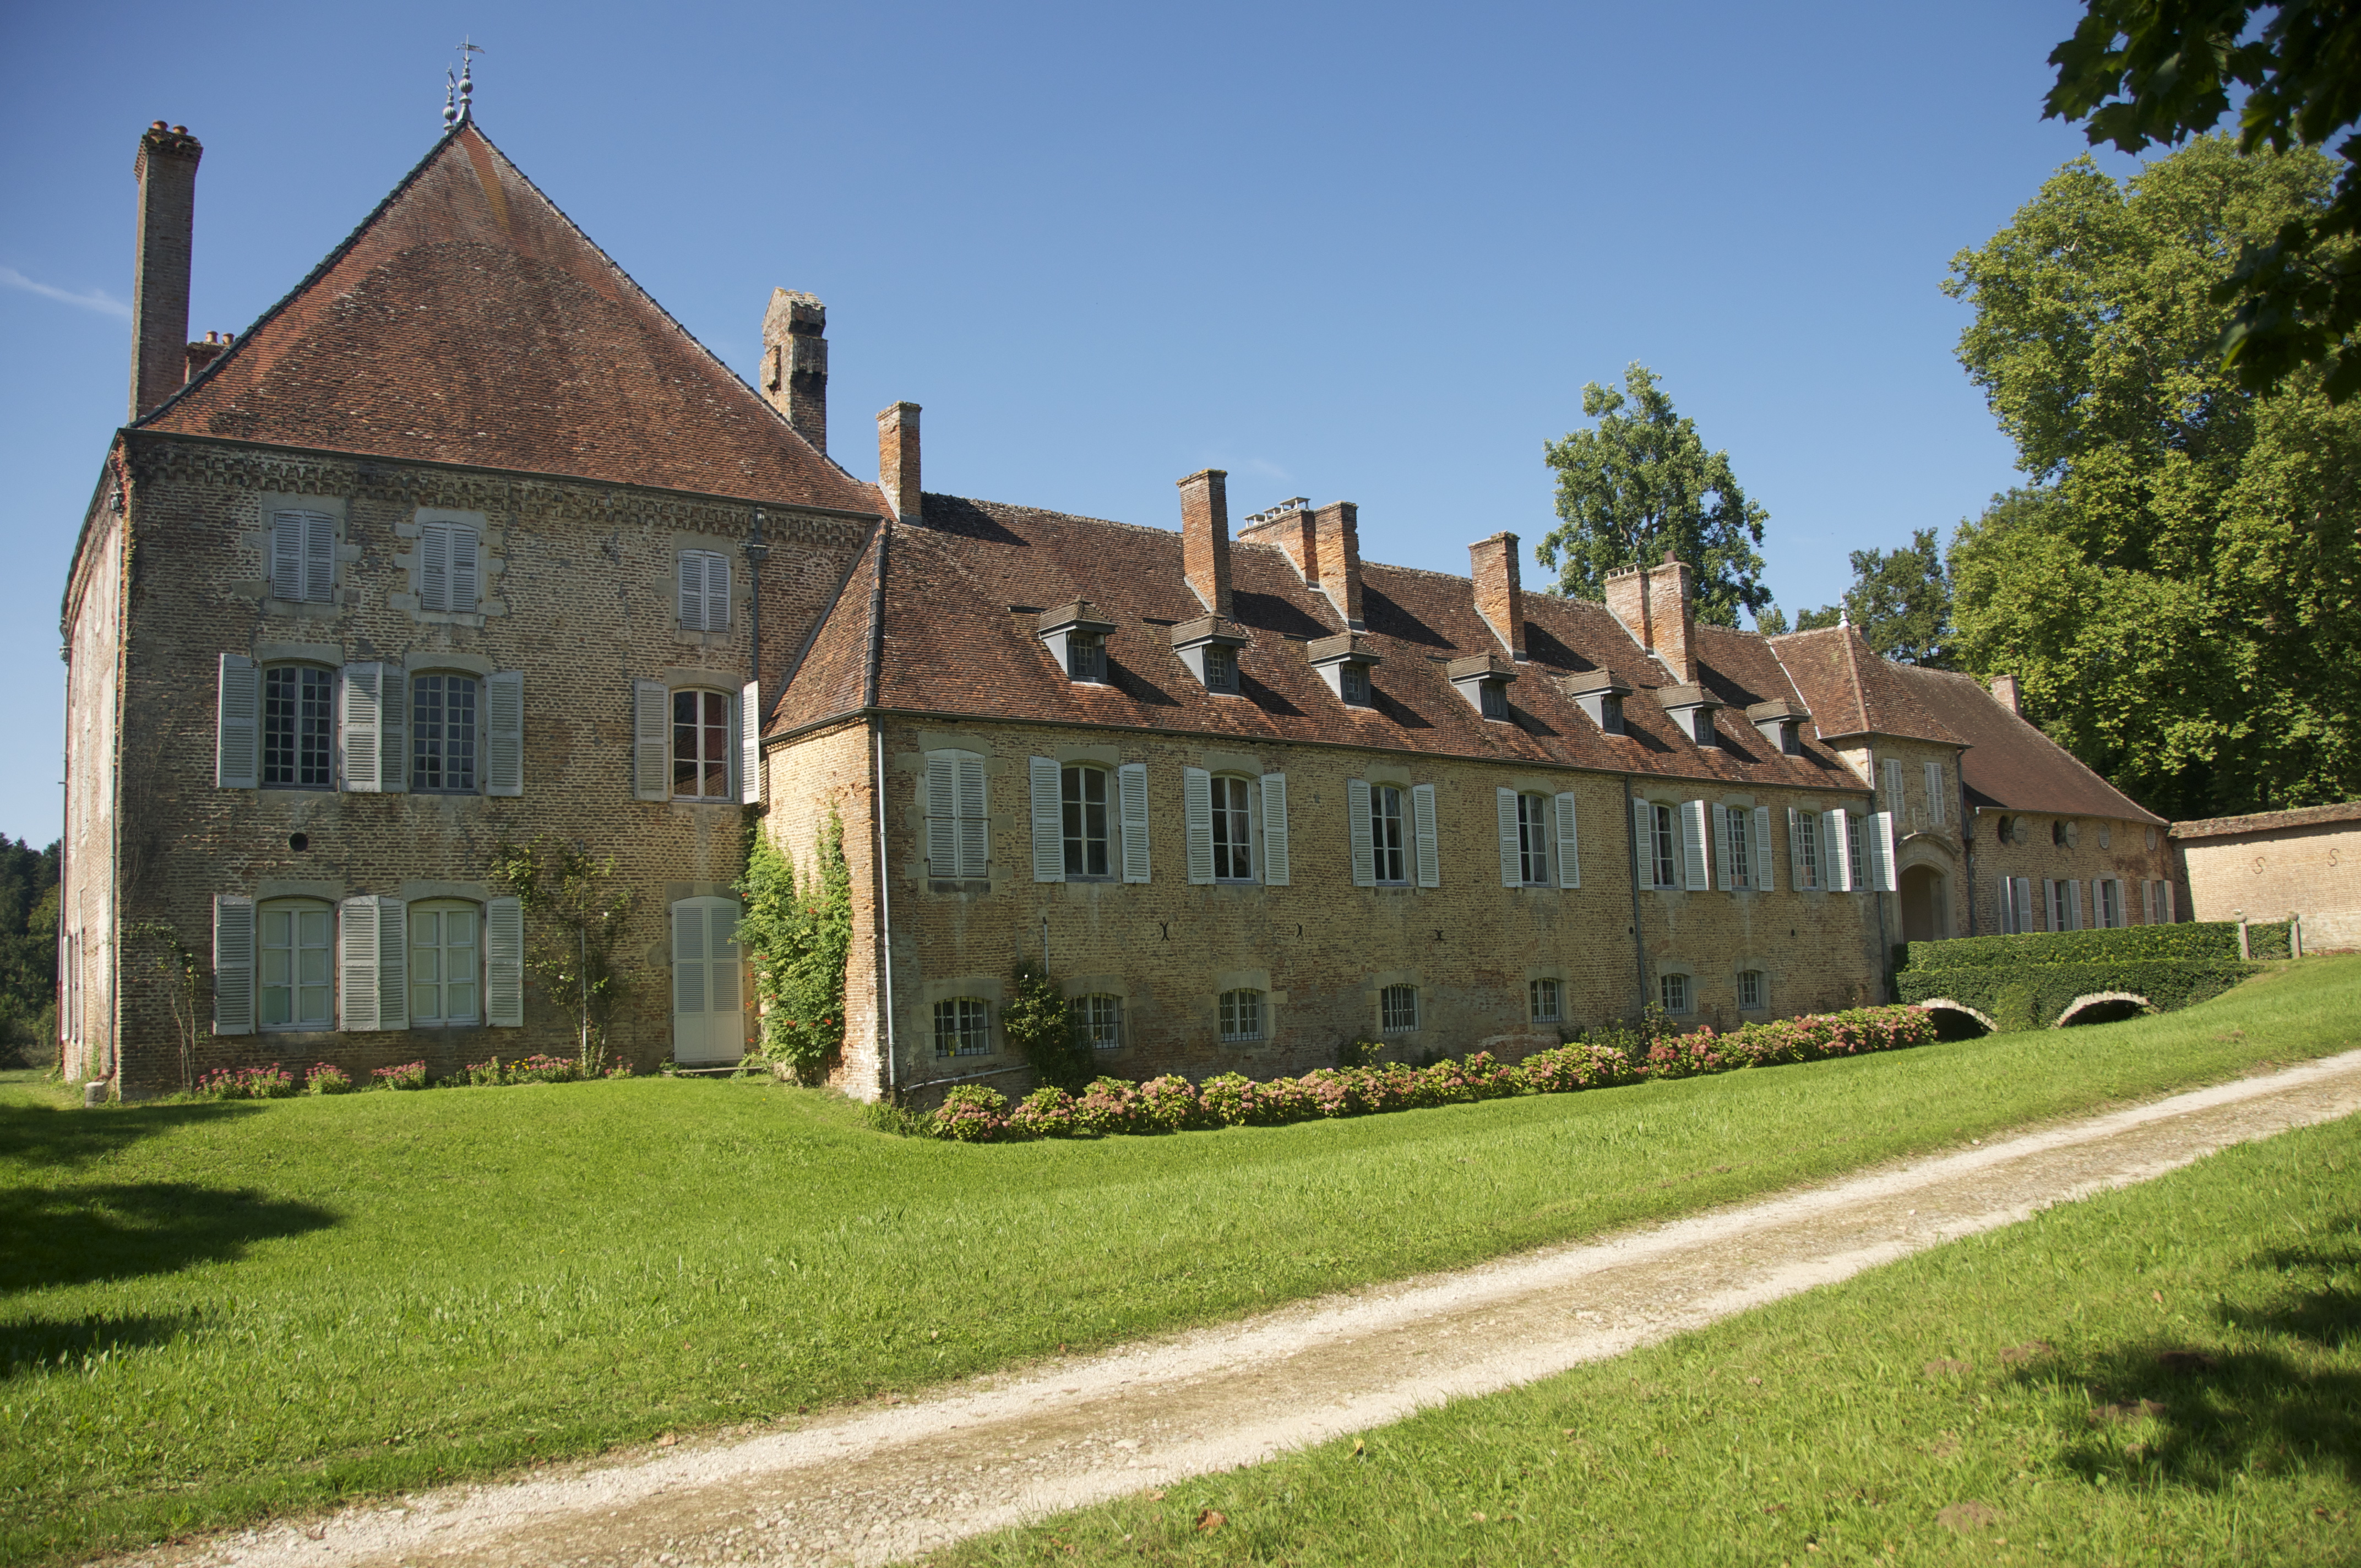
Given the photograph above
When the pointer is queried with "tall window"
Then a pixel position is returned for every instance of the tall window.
(1532, 839)
(443, 982)
(1750, 989)
(1386, 832)
(298, 726)
(1807, 846)
(1098, 1022)
(963, 1027)
(1232, 830)
(1854, 857)
(959, 832)
(1221, 667)
(443, 732)
(1086, 655)
(297, 988)
(1542, 995)
(1398, 1009)
(1663, 848)
(1083, 791)
(1672, 992)
(1742, 843)
(1353, 683)
(700, 746)
(1242, 1015)
(1935, 792)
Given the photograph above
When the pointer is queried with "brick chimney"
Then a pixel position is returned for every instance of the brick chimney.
(203, 353)
(794, 363)
(1627, 600)
(167, 171)
(897, 460)
(1337, 531)
(1288, 525)
(2003, 690)
(1673, 617)
(1205, 537)
(1499, 597)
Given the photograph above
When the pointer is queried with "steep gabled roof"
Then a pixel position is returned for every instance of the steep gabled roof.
(1851, 691)
(469, 321)
(2010, 764)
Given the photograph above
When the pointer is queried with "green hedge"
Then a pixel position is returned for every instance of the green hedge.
(2197, 941)
(2032, 995)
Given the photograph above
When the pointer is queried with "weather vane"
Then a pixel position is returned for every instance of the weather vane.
(458, 95)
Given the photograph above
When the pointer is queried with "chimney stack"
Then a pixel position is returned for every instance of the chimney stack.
(1627, 600)
(1289, 526)
(1205, 537)
(2003, 690)
(167, 171)
(897, 460)
(794, 363)
(1336, 528)
(202, 354)
(1673, 617)
(1500, 596)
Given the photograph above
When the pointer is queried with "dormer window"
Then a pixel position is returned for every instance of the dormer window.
(1086, 657)
(1600, 696)
(1220, 669)
(1693, 710)
(1781, 722)
(1483, 679)
(1345, 661)
(1077, 637)
(1610, 713)
(1353, 684)
(1209, 645)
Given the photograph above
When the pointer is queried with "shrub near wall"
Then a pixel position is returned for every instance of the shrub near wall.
(2027, 981)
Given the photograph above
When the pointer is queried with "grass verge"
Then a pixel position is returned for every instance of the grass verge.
(2166, 1375)
(214, 1313)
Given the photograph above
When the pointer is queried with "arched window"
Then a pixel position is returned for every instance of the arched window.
(700, 746)
(445, 959)
(299, 709)
(1082, 793)
(1398, 1009)
(963, 1027)
(295, 950)
(1098, 1020)
(1233, 808)
(1242, 1015)
(443, 733)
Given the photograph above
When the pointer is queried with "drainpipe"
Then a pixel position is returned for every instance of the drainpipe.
(1639, 947)
(885, 904)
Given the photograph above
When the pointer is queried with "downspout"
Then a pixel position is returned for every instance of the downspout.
(1639, 947)
(65, 838)
(758, 549)
(885, 874)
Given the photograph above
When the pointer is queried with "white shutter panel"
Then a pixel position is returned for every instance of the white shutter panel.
(2023, 903)
(975, 826)
(717, 591)
(238, 724)
(233, 965)
(504, 964)
(1422, 813)
(2150, 911)
(1795, 849)
(462, 570)
(1049, 823)
(1893, 784)
(2074, 904)
(1274, 830)
(651, 740)
(689, 583)
(1569, 847)
(287, 555)
(1696, 873)
(1836, 851)
(2007, 907)
(1934, 794)
(1643, 834)
(2052, 914)
(721, 989)
(1356, 827)
(1512, 860)
(393, 728)
(362, 696)
(1197, 811)
(434, 566)
(319, 558)
(392, 964)
(504, 733)
(750, 743)
(357, 965)
(1763, 858)
(2165, 888)
(1721, 871)
(1131, 783)
(1881, 847)
(689, 959)
(942, 816)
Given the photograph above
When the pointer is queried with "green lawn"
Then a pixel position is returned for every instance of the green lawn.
(2166, 1375)
(209, 1312)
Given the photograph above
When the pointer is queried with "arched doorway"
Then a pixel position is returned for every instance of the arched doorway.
(1926, 904)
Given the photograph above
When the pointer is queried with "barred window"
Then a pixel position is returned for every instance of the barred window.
(1398, 1008)
(1242, 1015)
(1673, 991)
(1750, 989)
(962, 1027)
(1543, 996)
(298, 726)
(1098, 1022)
(443, 733)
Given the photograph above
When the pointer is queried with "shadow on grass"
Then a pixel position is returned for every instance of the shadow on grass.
(41, 1342)
(72, 1235)
(48, 1136)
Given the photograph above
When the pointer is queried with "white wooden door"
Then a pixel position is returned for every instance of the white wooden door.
(707, 1011)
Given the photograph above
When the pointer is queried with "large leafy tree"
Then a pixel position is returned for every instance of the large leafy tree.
(2143, 72)
(1901, 599)
(2179, 587)
(1640, 483)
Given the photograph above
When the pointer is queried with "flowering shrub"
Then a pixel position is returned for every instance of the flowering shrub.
(974, 1114)
(327, 1079)
(272, 1082)
(409, 1075)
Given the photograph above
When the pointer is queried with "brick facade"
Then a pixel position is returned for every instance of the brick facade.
(2275, 864)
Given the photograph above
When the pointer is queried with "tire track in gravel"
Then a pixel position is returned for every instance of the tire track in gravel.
(874, 1485)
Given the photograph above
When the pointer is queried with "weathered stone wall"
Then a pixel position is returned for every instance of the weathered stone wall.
(1926, 833)
(2292, 863)
(806, 779)
(2133, 852)
(88, 949)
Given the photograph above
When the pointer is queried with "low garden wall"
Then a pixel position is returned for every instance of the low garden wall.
(2033, 980)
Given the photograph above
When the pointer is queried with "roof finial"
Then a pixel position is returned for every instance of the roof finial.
(450, 103)
(467, 51)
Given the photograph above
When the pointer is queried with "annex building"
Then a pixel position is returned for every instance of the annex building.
(467, 541)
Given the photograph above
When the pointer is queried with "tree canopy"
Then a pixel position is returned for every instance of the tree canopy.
(1901, 600)
(2179, 587)
(1641, 482)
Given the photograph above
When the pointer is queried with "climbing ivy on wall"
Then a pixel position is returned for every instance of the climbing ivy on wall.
(796, 935)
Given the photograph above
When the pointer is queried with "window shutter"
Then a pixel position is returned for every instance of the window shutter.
(651, 740)
(1696, 873)
(974, 827)
(1721, 871)
(722, 987)
(1836, 851)
(689, 576)
(717, 591)
(504, 733)
(504, 964)
(392, 964)
(238, 725)
(1049, 823)
(2024, 903)
(357, 965)
(1880, 851)
(1512, 860)
(463, 571)
(2049, 911)
(287, 555)
(233, 965)
(434, 566)
(1893, 784)
(750, 743)
(319, 558)
(2165, 889)
(1569, 851)
(1421, 814)
(1643, 837)
(1356, 827)
(2007, 907)
(1274, 830)
(942, 816)
(2074, 904)
(1934, 794)
(1762, 860)
(393, 728)
(1197, 810)
(688, 957)
(1131, 783)
(364, 724)
(1795, 849)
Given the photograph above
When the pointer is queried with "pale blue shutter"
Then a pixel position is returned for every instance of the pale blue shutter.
(1274, 830)
(1131, 786)
(1197, 812)
(1049, 829)
(1356, 828)
(504, 733)
(1421, 812)
(233, 965)
(1569, 846)
(238, 726)
(504, 964)
(1512, 860)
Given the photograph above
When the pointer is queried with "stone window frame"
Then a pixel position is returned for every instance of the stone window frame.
(1109, 806)
(1760, 977)
(1676, 993)
(331, 678)
(296, 904)
(1536, 825)
(1098, 1018)
(1225, 819)
(1239, 1014)
(443, 905)
(1556, 996)
(963, 1026)
(1398, 1008)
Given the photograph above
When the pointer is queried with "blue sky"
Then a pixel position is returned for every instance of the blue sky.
(1363, 252)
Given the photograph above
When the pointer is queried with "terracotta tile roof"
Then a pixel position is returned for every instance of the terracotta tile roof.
(2270, 821)
(831, 677)
(2009, 764)
(1853, 691)
(964, 589)
(469, 321)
